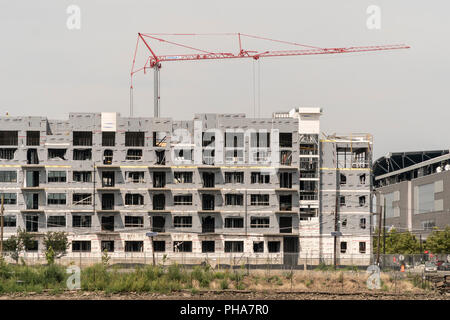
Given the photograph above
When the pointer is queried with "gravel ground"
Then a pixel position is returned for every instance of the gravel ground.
(228, 295)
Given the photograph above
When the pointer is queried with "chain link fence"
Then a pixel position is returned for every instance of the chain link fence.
(250, 261)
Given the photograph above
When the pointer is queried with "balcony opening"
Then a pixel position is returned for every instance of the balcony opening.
(285, 139)
(134, 246)
(259, 222)
(208, 224)
(234, 199)
(108, 201)
(160, 157)
(258, 246)
(208, 180)
(82, 154)
(81, 246)
(135, 176)
(362, 223)
(308, 186)
(56, 154)
(56, 199)
(260, 139)
(362, 178)
(134, 154)
(33, 138)
(107, 223)
(285, 224)
(208, 139)
(82, 199)
(159, 202)
(183, 176)
(9, 138)
(343, 247)
(107, 157)
(32, 246)
(208, 202)
(159, 179)
(182, 222)
(159, 246)
(81, 221)
(10, 221)
(32, 156)
(158, 224)
(159, 139)
(182, 200)
(134, 222)
(183, 154)
(208, 246)
(108, 179)
(234, 223)
(108, 139)
(82, 176)
(344, 223)
(7, 153)
(352, 158)
(308, 213)
(259, 199)
(56, 222)
(32, 178)
(107, 245)
(273, 246)
(134, 139)
(342, 179)
(286, 202)
(286, 158)
(234, 139)
(234, 246)
(260, 177)
(82, 138)
(9, 198)
(362, 247)
(134, 199)
(32, 223)
(182, 246)
(234, 177)
(286, 180)
(208, 157)
(362, 201)
(8, 176)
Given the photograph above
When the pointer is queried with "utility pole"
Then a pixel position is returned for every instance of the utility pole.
(245, 206)
(384, 227)
(379, 237)
(335, 229)
(1, 227)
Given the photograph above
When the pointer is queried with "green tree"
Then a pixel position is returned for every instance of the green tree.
(56, 245)
(14, 245)
(26, 238)
(50, 255)
(439, 241)
(397, 242)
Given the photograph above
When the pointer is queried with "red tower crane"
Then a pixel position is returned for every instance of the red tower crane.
(153, 61)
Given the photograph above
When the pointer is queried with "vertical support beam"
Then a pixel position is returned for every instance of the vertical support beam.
(245, 206)
(384, 227)
(156, 90)
(1, 226)
(379, 237)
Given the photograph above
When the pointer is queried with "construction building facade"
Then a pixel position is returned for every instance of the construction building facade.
(411, 187)
(215, 187)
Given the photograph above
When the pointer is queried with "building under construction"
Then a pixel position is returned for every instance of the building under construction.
(217, 187)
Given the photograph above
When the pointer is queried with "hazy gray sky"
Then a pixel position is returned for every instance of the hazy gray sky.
(401, 97)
